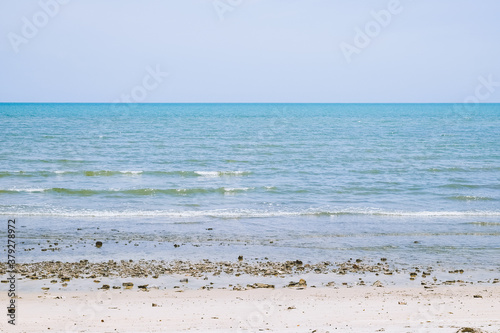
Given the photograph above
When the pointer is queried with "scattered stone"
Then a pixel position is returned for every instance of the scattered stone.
(377, 284)
(469, 329)
(127, 285)
(143, 287)
(98, 244)
(261, 285)
(105, 287)
(240, 258)
(456, 271)
(330, 284)
(478, 296)
(301, 283)
(154, 305)
(183, 280)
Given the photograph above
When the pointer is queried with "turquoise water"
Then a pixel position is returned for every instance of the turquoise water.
(415, 182)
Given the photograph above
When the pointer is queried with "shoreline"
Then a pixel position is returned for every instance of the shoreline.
(241, 274)
(251, 295)
(321, 310)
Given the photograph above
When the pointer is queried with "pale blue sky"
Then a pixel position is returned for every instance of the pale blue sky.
(249, 51)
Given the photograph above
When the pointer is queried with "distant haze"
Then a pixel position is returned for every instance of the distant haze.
(250, 51)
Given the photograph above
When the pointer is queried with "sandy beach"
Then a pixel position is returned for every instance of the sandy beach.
(249, 296)
(355, 309)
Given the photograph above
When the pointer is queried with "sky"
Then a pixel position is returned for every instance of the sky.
(250, 51)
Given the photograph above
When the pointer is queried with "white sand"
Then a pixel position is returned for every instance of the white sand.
(357, 309)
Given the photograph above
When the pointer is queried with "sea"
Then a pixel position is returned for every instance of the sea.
(414, 183)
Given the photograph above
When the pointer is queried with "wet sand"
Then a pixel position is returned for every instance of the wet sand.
(240, 274)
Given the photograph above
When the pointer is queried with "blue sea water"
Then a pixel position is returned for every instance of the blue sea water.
(414, 182)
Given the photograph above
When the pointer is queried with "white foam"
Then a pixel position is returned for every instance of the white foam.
(229, 213)
(29, 190)
(237, 189)
(220, 173)
(207, 173)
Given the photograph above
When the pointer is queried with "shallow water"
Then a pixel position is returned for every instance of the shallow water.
(416, 183)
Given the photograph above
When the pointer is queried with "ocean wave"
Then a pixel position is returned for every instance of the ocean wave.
(140, 191)
(460, 186)
(485, 224)
(27, 190)
(231, 213)
(110, 173)
(469, 169)
(456, 186)
(452, 169)
(221, 173)
(469, 198)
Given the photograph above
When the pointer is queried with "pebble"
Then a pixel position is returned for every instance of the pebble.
(260, 285)
(127, 285)
(258, 267)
